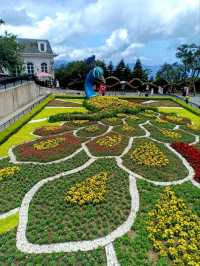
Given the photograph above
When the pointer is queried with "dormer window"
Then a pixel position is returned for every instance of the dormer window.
(42, 46)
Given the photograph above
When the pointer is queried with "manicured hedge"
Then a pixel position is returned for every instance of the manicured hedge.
(98, 115)
(190, 108)
(9, 131)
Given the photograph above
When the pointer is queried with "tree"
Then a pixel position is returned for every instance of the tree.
(139, 72)
(110, 69)
(170, 73)
(190, 58)
(121, 70)
(10, 59)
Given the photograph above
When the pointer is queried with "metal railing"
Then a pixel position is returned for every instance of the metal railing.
(6, 83)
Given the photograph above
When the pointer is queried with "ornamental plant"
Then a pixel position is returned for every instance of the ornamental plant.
(109, 102)
(48, 144)
(174, 230)
(8, 171)
(92, 190)
(191, 154)
(79, 122)
(174, 119)
(161, 121)
(149, 154)
(92, 129)
(109, 141)
(170, 133)
(127, 128)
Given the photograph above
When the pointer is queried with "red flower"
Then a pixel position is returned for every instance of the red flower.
(191, 154)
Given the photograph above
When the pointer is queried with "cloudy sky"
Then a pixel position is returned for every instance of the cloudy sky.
(111, 29)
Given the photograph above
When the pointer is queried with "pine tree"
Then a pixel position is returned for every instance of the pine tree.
(110, 69)
(120, 70)
(139, 72)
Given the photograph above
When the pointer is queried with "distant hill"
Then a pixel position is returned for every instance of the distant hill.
(60, 62)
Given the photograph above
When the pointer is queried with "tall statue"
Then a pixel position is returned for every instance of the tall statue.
(94, 76)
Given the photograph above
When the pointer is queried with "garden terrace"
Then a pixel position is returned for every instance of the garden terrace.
(87, 187)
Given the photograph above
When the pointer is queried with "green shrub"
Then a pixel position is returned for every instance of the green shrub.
(9, 131)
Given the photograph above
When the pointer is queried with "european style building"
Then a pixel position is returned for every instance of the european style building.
(37, 56)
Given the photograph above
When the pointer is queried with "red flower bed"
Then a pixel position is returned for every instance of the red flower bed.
(191, 154)
(29, 152)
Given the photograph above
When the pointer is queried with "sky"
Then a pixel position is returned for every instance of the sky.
(111, 29)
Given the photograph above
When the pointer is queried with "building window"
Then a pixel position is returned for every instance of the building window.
(42, 47)
(44, 67)
(30, 68)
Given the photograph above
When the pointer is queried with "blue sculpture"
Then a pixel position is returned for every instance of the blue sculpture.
(94, 75)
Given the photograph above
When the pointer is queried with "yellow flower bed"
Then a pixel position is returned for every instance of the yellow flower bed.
(92, 190)
(109, 141)
(149, 113)
(48, 144)
(110, 102)
(149, 154)
(170, 133)
(174, 230)
(133, 117)
(51, 128)
(8, 171)
(112, 120)
(174, 119)
(92, 129)
(127, 128)
(160, 121)
(80, 122)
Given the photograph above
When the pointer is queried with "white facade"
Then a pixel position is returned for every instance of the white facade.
(37, 56)
(38, 62)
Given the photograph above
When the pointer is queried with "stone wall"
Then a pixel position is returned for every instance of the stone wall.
(16, 97)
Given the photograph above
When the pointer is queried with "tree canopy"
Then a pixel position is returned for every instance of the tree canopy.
(10, 59)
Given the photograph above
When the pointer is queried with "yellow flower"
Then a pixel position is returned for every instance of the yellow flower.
(8, 171)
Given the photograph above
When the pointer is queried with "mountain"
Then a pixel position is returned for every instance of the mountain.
(153, 69)
(60, 62)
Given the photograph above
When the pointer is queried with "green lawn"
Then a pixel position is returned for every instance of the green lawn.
(182, 112)
(46, 112)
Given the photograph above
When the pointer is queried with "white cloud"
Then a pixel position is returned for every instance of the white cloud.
(109, 28)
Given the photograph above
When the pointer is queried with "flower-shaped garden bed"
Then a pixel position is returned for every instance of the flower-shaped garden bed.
(168, 135)
(154, 161)
(113, 121)
(51, 130)
(162, 123)
(62, 211)
(129, 131)
(92, 131)
(136, 119)
(174, 230)
(48, 149)
(175, 119)
(111, 144)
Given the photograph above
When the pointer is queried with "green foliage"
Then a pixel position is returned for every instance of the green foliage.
(10, 53)
(13, 188)
(6, 133)
(53, 220)
(10, 255)
(174, 170)
(139, 72)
